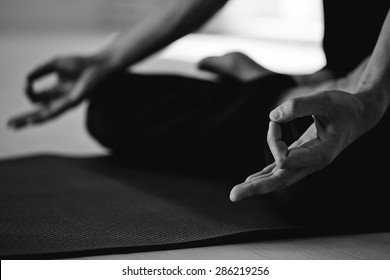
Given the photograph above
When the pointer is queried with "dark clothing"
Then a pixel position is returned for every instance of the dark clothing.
(219, 128)
(351, 31)
(185, 123)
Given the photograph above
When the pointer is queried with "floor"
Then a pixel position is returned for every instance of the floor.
(346, 247)
(19, 53)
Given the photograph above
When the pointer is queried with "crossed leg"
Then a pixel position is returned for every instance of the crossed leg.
(217, 128)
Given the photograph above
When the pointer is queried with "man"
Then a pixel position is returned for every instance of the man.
(218, 127)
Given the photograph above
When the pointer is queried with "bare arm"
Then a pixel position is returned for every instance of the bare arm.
(80, 75)
(374, 84)
(162, 27)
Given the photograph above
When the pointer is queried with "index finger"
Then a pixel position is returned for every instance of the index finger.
(37, 73)
(278, 179)
(316, 104)
(41, 114)
(42, 70)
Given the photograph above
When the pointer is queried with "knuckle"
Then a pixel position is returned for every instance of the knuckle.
(270, 137)
(292, 104)
(325, 97)
(253, 188)
(257, 188)
(283, 163)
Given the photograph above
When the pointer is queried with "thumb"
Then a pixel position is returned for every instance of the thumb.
(293, 108)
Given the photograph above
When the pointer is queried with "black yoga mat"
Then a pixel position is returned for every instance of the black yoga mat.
(57, 207)
(53, 206)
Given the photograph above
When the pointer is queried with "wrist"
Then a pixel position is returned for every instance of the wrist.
(106, 60)
(374, 85)
(374, 102)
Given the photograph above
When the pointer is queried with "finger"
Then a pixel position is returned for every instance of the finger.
(42, 70)
(20, 121)
(243, 190)
(249, 187)
(44, 96)
(300, 157)
(279, 179)
(59, 106)
(28, 118)
(266, 170)
(37, 73)
(314, 153)
(278, 148)
(308, 135)
(41, 115)
(261, 185)
(293, 108)
(308, 150)
(24, 120)
(54, 110)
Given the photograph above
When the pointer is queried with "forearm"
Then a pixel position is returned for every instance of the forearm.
(159, 29)
(374, 84)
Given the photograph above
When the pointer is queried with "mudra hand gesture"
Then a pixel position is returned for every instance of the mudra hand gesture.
(339, 119)
(76, 77)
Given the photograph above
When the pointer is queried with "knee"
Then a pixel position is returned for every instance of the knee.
(109, 109)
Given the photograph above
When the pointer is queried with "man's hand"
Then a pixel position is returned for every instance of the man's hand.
(76, 77)
(339, 119)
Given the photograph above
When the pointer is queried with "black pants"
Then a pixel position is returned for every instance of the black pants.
(219, 129)
(169, 121)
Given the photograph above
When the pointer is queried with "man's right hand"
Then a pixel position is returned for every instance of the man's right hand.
(77, 76)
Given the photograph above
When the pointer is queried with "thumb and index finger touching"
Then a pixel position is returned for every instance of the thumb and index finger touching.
(56, 107)
(306, 154)
(38, 73)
